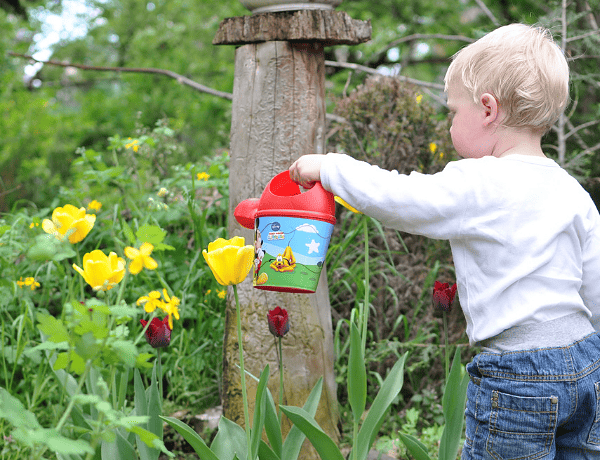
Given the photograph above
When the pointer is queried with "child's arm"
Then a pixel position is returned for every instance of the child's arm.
(590, 288)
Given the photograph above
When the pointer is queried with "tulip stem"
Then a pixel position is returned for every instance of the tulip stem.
(280, 383)
(243, 375)
(159, 369)
(446, 351)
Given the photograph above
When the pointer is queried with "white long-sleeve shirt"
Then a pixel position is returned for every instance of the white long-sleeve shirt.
(525, 236)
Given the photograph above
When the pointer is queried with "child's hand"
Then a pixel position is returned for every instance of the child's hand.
(306, 170)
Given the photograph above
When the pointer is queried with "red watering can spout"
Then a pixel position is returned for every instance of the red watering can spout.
(245, 212)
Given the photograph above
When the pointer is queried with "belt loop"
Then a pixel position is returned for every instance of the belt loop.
(475, 380)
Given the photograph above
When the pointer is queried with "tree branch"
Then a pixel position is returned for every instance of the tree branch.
(180, 78)
(487, 12)
(362, 68)
(587, 34)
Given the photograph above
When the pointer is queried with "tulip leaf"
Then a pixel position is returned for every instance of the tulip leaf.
(374, 419)
(295, 438)
(259, 413)
(416, 448)
(229, 441)
(357, 375)
(453, 403)
(272, 426)
(192, 437)
(121, 449)
(322, 443)
(266, 453)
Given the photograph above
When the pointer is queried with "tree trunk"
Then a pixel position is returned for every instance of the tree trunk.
(278, 115)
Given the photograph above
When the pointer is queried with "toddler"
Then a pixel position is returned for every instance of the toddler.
(525, 239)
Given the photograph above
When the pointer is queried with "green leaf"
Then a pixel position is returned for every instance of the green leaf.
(387, 393)
(295, 438)
(47, 346)
(416, 448)
(453, 403)
(58, 443)
(259, 413)
(154, 409)
(126, 350)
(357, 375)
(322, 443)
(150, 440)
(127, 232)
(272, 426)
(53, 328)
(152, 234)
(266, 453)
(121, 449)
(192, 437)
(61, 361)
(48, 247)
(229, 441)
(13, 410)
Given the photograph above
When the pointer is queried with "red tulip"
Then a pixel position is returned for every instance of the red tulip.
(158, 333)
(443, 296)
(279, 322)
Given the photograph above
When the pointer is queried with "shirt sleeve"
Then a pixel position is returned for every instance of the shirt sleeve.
(429, 205)
(590, 287)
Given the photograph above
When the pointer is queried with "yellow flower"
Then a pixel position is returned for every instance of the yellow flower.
(94, 206)
(346, 205)
(229, 260)
(441, 155)
(162, 192)
(100, 271)
(29, 281)
(222, 293)
(432, 147)
(151, 302)
(70, 222)
(208, 292)
(134, 144)
(140, 258)
(34, 224)
(171, 307)
(202, 176)
(419, 98)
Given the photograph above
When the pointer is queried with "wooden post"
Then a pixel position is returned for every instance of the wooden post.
(279, 115)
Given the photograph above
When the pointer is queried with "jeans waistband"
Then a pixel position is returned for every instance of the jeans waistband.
(559, 332)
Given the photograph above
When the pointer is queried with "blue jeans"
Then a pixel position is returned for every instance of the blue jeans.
(535, 404)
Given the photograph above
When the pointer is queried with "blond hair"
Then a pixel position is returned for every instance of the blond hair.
(523, 68)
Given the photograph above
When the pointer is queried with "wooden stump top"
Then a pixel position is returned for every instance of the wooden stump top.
(327, 26)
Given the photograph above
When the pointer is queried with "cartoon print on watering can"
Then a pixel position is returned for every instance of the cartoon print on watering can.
(291, 234)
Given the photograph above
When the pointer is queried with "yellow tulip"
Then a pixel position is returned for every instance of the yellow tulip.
(140, 258)
(69, 221)
(230, 260)
(100, 271)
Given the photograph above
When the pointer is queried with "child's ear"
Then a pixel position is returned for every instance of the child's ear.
(490, 107)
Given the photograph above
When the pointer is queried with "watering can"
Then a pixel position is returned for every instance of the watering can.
(291, 234)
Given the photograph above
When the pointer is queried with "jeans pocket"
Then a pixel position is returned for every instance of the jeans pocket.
(594, 436)
(521, 427)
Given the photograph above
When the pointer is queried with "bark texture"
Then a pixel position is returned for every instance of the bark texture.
(278, 115)
(329, 27)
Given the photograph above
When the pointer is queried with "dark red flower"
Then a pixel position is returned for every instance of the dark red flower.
(158, 333)
(279, 322)
(443, 296)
